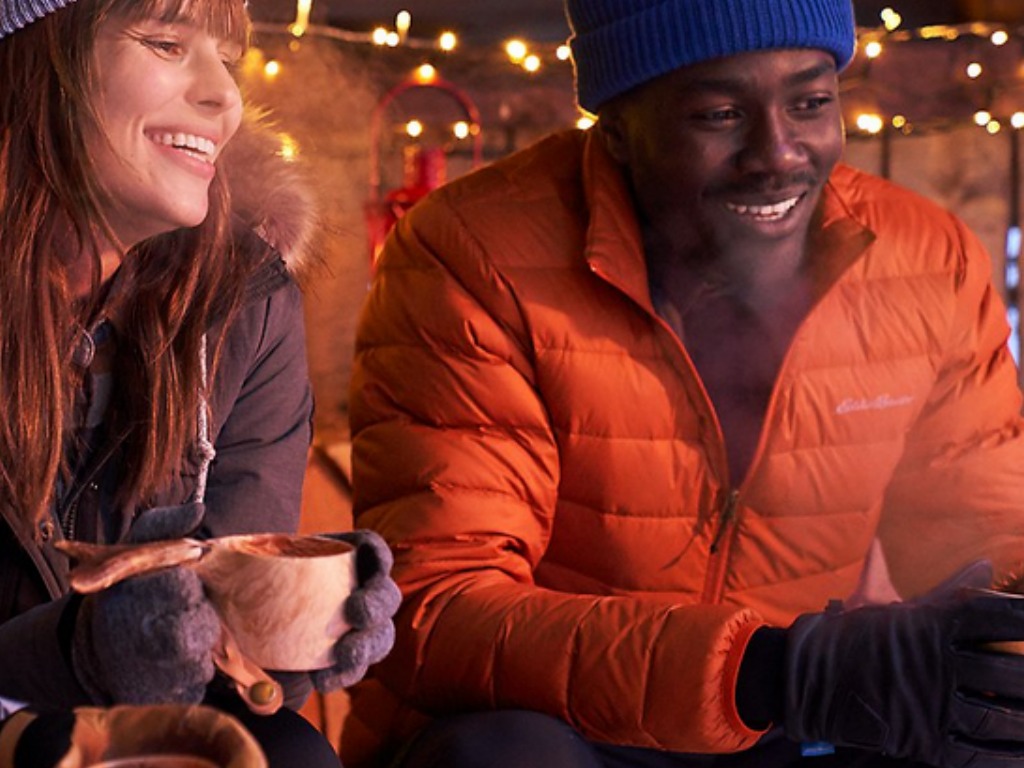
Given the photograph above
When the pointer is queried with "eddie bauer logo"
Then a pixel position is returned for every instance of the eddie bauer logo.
(880, 403)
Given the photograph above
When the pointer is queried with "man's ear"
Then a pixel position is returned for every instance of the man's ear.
(612, 126)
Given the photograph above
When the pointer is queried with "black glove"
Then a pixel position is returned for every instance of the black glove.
(369, 610)
(912, 680)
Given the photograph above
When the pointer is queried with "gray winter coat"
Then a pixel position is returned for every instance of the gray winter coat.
(261, 404)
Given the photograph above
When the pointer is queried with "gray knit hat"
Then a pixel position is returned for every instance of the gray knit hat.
(619, 44)
(15, 14)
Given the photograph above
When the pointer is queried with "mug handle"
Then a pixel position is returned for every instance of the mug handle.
(99, 566)
(261, 693)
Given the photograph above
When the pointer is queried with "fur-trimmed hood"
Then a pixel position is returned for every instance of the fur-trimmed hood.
(271, 192)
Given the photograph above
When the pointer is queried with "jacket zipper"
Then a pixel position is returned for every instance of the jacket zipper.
(725, 519)
(719, 552)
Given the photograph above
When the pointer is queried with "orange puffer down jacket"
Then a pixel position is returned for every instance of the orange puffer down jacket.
(535, 444)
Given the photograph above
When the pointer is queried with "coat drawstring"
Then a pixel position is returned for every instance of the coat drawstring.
(203, 444)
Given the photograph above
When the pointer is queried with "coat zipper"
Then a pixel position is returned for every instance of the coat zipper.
(718, 555)
(726, 519)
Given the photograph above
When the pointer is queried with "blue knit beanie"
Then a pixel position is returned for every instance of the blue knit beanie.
(619, 44)
(15, 14)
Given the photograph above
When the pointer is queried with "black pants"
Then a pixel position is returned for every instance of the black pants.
(286, 737)
(523, 739)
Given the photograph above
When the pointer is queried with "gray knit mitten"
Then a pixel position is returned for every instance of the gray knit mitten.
(369, 610)
(163, 523)
(146, 640)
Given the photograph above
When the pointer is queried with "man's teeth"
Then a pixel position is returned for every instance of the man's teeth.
(768, 212)
(197, 146)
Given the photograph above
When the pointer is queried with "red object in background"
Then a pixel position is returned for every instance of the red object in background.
(424, 168)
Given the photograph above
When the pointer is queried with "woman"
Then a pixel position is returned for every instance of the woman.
(153, 380)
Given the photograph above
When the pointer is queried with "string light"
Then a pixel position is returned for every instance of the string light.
(425, 74)
(414, 128)
(461, 129)
(890, 19)
(301, 23)
(870, 123)
(873, 43)
(447, 41)
(516, 50)
(288, 149)
(403, 20)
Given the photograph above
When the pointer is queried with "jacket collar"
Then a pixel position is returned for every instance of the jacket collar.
(614, 245)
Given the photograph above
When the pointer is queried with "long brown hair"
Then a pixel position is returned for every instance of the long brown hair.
(50, 214)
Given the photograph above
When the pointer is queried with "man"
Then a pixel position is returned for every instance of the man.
(652, 414)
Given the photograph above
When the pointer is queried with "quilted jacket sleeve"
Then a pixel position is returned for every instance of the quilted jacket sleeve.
(456, 465)
(958, 495)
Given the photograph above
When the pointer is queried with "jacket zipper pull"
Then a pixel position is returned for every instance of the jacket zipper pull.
(728, 515)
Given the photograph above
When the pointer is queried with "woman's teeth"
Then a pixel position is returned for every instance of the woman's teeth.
(765, 212)
(197, 146)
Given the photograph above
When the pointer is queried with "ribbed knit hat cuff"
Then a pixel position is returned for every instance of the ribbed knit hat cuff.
(615, 54)
(16, 14)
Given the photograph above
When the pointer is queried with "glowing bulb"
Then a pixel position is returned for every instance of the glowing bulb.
(870, 123)
(461, 129)
(1000, 37)
(982, 117)
(563, 53)
(516, 50)
(993, 127)
(425, 74)
(898, 121)
(272, 68)
(403, 20)
(392, 39)
(974, 70)
(302, 8)
(289, 149)
(1017, 120)
(379, 36)
(447, 41)
(531, 63)
(585, 122)
(414, 128)
(873, 49)
(890, 19)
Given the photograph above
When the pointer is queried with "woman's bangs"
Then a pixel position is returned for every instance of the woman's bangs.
(224, 19)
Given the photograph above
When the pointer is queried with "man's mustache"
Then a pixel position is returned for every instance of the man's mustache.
(767, 184)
